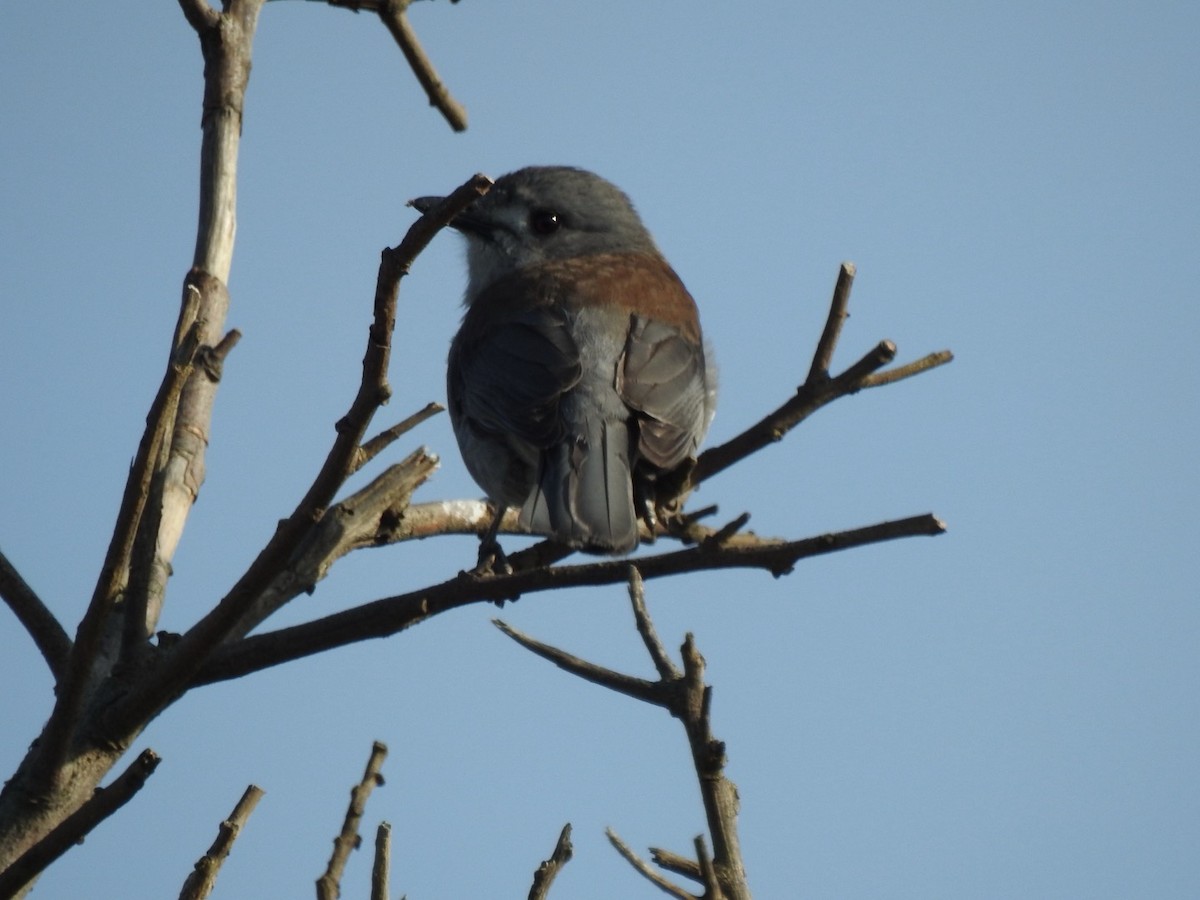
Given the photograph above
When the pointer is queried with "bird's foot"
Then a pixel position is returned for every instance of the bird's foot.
(492, 560)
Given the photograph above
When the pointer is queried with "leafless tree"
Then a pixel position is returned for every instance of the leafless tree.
(119, 671)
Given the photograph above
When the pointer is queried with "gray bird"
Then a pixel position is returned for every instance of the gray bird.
(578, 383)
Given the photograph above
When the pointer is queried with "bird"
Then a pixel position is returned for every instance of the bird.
(579, 383)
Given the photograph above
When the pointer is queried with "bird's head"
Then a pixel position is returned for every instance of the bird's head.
(544, 213)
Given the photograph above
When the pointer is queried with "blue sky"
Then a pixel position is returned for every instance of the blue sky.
(1008, 710)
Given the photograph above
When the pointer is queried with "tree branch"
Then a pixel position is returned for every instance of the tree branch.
(823, 356)
(192, 650)
(394, 15)
(395, 18)
(83, 666)
(31, 612)
(366, 518)
(372, 448)
(686, 697)
(645, 870)
(391, 615)
(381, 868)
(328, 884)
(549, 869)
(638, 688)
(203, 878)
(818, 389)
(71, 831)
(179, 466)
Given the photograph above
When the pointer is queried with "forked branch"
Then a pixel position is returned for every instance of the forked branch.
(686, 697)
(328, 885)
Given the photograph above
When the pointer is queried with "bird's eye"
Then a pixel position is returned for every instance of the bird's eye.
(544, 221)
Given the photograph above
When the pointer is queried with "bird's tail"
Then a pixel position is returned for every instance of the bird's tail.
(584, 495)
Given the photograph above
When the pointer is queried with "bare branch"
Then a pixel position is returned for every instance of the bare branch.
(366, 518)
(818, 389)
(916, 367)
(645, 626)
(203, 878)
(390, 615)
(199, 14)
(193, 649)
(72, 830)
(381, 869)
(639, 688)
(372, 448)
(394, 17)
(43, 627)
(394, 14)
(819, 370)
(348, 839)
(674, 862)
(81, 669)
(712, 885)
(644, 868)
(548, 870)
(689, 699)
(179, 468)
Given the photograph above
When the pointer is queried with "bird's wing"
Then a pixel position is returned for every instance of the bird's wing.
(661, 376)
(508, 379)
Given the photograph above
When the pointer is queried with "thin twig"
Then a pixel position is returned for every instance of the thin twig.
(818, 389)
(645, 626)
(644, 868)
(328, 885)
(819, 370)
(395, 18)
(393, 14)
(72, 830)
(549, 869)
(372, 448)
(203, 877)
(916, 367)
(49, 636)
(639, 688)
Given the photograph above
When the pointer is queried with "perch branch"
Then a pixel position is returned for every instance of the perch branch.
(203, 878)
(31, 612)
(390, 615)
(348, 840)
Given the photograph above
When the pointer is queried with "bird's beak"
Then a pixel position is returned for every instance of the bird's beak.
(467, 221)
